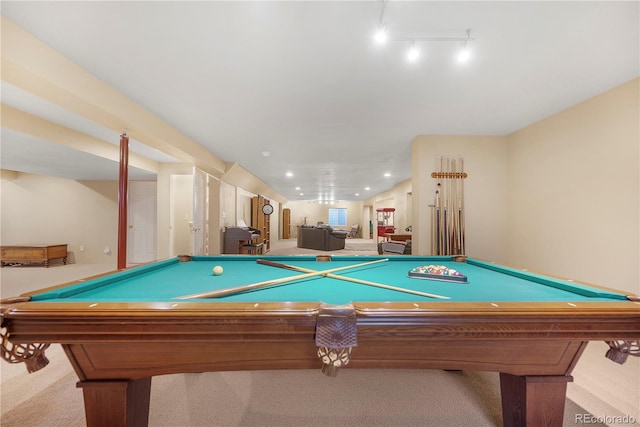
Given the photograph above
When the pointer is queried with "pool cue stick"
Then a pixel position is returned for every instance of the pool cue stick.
(454, 210)
(462, 206)
(266, 283)
(445, 230)
(457, 207)
(449, 209)
(439, 215)
(433, 221)
(436, 230)
(350, 279)
(439, 189)
(445, 207)
(447, 202)
(460, 179)
(441, 208)
(435, 227)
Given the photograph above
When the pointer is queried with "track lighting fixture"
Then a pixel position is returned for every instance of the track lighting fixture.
(413, 52)
(382, 35)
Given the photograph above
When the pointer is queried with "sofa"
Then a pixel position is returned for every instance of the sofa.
(322, 237)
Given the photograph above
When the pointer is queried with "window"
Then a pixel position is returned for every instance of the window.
(338, 216)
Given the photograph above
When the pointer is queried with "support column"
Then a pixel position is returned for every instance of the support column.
(122, 201)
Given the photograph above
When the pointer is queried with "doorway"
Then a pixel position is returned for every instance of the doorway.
(142, 220)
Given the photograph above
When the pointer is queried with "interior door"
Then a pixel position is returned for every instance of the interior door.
(200, 204)
(141, 212)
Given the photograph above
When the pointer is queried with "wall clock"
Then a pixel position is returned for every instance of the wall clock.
(267, 209)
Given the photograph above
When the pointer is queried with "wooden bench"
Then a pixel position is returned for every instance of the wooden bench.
(252, 249)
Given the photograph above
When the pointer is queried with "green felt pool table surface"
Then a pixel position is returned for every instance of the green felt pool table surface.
(167, 280)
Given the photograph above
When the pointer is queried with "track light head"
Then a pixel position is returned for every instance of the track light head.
(413, 53)
(381, 35)
(464, 54)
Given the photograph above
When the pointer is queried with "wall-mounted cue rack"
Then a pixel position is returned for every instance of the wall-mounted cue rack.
(449, 175)
(447, 211)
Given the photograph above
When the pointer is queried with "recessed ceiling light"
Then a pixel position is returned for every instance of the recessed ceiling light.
(266, 153)
(387, 175)
(289, 174)
(297, 188)
(367, 188)
(357, 194)
(302, 194)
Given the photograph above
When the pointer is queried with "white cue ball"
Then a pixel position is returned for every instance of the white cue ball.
(217, 270)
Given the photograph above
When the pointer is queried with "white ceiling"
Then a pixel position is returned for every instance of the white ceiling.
(305, 81)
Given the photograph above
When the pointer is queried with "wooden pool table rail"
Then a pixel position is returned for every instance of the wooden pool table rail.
(116, 348)
(407, 325)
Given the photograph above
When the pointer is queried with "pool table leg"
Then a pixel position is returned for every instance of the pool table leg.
(533, 400)
(117, 403)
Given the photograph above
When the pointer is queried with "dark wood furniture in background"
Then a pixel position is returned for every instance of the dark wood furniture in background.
(399, 237)
(260, 221)
(241, 240)
(32, 254)
(286, 223)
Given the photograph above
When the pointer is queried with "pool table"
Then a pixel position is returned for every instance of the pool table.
(121, 329)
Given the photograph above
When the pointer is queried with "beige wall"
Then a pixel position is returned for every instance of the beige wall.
(574, 196)
(485, 191)
(38, 209)
(574, 193)
(42, 209)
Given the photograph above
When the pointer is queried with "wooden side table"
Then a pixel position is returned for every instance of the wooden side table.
(32, 254)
